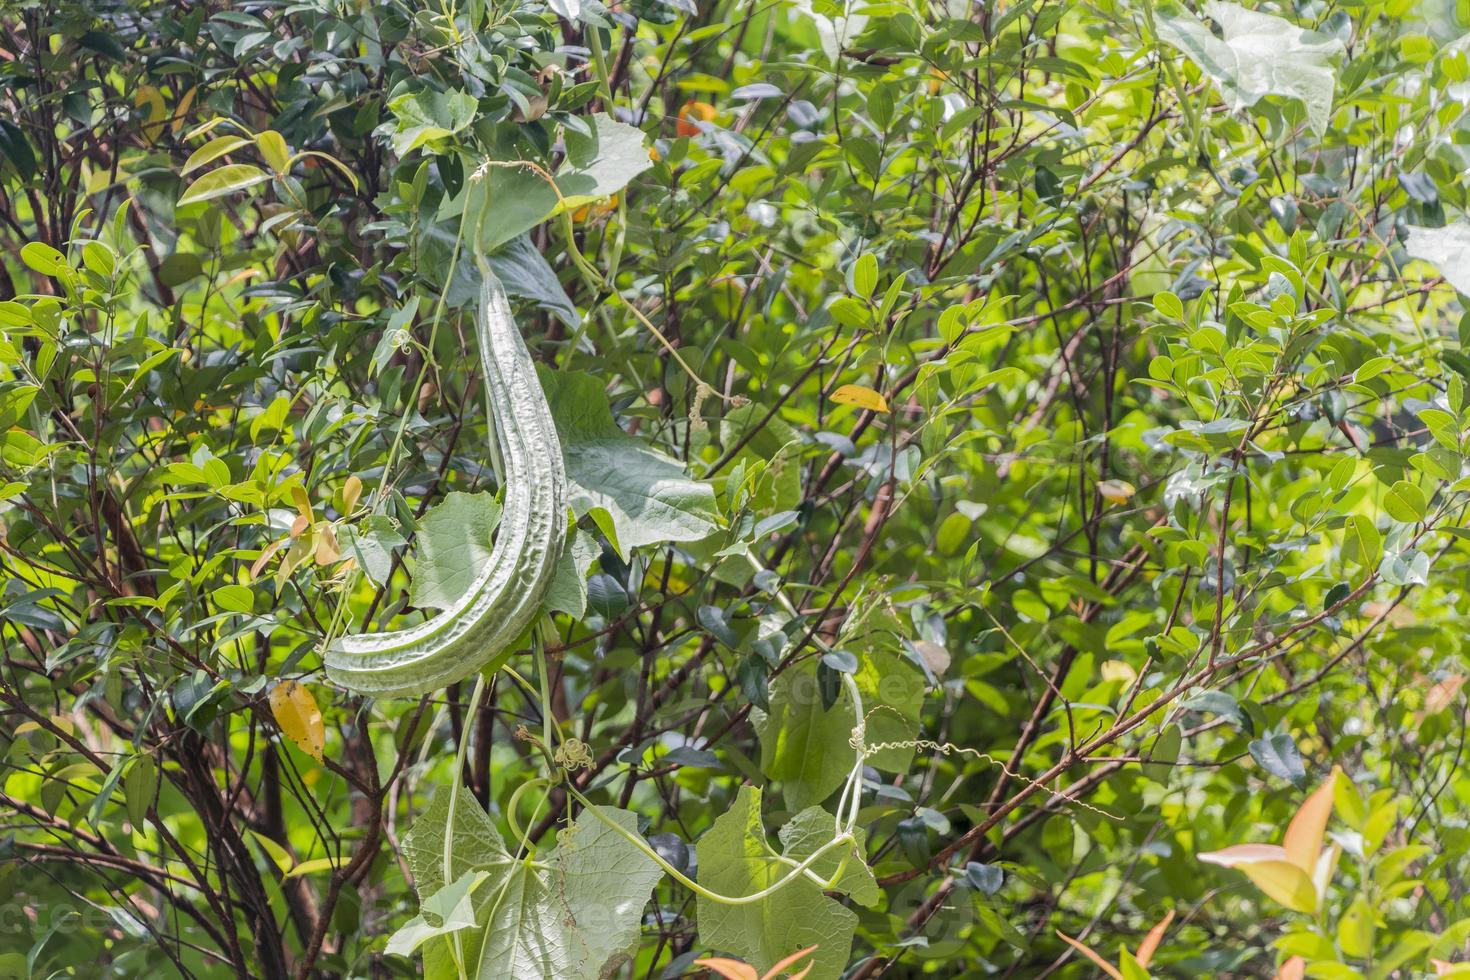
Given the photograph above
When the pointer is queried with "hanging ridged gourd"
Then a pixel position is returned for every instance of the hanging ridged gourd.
(506, 594)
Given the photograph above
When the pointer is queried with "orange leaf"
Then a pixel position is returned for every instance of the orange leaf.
(1293, 969)
(265, 556)
(788, 962)
(1151, 942)
(691, 115)
(327, 550)
(300, 719)
(860, 396)
(1303, 842)
(729, 969)
(1442, 694)
(1086, 951)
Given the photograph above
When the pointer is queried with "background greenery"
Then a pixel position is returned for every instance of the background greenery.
(1086, 380)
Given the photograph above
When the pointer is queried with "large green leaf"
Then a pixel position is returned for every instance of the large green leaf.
(813, 827)
(603, 162)
(807, 746)
(1260, 55)
(566, 914)
(736, 859)
(647, 494)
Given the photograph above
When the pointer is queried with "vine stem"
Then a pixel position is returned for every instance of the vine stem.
(454, 787)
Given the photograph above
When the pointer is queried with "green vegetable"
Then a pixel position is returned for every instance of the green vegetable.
(506, 593)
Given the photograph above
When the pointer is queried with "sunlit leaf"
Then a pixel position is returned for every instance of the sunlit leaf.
(298, 716)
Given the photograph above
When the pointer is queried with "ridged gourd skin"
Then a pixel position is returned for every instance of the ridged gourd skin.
(506, 594)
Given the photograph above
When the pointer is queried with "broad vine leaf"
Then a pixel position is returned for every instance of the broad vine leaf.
(736, 859)
(647, 494)
(296, 711)
(568, 590)
(813, 827)
(806, 746)
(451, 905)
(568, 914)
(601, 163)
(454, 542)
(521, 269)
(1447, 248)
(1260, 55)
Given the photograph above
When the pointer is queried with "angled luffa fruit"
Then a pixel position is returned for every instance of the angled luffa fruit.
(506, 594)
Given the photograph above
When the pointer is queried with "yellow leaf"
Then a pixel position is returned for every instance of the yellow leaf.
(860, 396)
(1303, 842)
(1097, 960)
(185, 104)
(729, 969)
(1266, 865)
(147, 95)
(302, 500)
(299, 717)
(312, 867)
(273, 150)
(351, 491)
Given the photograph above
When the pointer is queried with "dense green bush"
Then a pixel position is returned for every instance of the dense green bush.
(1012, 450)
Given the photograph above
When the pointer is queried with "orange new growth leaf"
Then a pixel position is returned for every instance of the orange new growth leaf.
(736, 970)
(1088, 952)
(1303, 841)
(1145, 954)
(1150, 944)
(1293, 969)
(1294, 873)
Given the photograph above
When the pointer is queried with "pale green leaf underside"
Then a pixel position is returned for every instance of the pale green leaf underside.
(565, 915)
(808, 832)
(1447, 248)
(567, 592)
(1259, 55)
